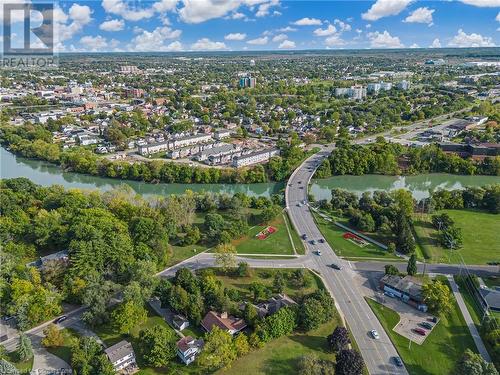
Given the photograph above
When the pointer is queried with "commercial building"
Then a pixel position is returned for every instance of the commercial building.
(254, 157)
(188, 348)
(122, 357)
(475, 151)
(408, 289)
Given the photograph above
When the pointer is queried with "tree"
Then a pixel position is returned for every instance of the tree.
(312, 365)
(241, 344)
(451, 238)
(158, 345)
(225, 256)
(219, 350)
(279, 282)
(243, 269)
(128, 315)
(87, 358)
(349, 362)
(53, 336)
(442, 221)
(24, 349)
(411, 269)
(438, 297)
(311, 314)
(390, 269)
(339, 339)
(473, 364)
(7, 368)
(250, 314)
(281, 323)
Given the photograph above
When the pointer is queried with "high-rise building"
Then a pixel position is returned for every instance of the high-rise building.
(248, 82)
(357, 92)
(404, 85)
(373, 87)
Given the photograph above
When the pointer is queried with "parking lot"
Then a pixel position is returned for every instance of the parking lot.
(410, 318)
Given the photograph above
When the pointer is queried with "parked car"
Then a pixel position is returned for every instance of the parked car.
(60, 319)
(304, 236)
(336, 266)
(397, 361)
(426, 325)
(313, 242)
(318, 252)
(321, 240)
(300, 182)
(374, 334)
(419, 331)
(433, 319)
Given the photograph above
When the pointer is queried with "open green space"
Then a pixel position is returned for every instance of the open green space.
(24, 367)
(440, 352)
(480, 237)
(276, 243)
(344, 248)
(281, 356)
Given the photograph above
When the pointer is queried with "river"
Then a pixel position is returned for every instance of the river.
(46, 174)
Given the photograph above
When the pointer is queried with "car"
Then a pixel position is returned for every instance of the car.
(299, 204)
(374, 334)
(426, 325)
(301, 187)
(336, 266)
(419, 331)
(304, 236)
(397, 361)
(7, 318)
(60, 319)
(318, 252)
(389, 294)
(321, 240)
(299, 182)
(433, 319)
(313, 242)
(304, 202)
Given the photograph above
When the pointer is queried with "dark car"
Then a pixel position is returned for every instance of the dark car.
(313, 242)
(299, 182)
(321, 240)
(336, 266)
(304, 236)
(433, 319)
(419, 331)
(60, 319)
(426, 325)
(397, 361)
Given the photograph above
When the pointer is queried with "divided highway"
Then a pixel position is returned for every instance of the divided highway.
(361, 320)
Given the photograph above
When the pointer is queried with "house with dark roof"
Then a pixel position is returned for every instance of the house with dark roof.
(408, 289)
(272, 305)
(490, 297)
(122, 357)
(188, 348)
(180, 322)
(224, 321)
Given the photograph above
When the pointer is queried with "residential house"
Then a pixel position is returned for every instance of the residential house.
(180, 322)
(122, 357)
(224, 321)
(188, 348)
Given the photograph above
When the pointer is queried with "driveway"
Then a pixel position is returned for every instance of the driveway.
(44, 361)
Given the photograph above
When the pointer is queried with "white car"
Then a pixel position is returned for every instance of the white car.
(374, 334)
(318, 252)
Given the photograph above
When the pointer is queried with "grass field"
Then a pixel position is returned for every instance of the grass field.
(480, 231)
(23, 367)
(277, 243)
(345, 248)
(440, 352)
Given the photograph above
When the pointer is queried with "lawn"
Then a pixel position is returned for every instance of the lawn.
(276, 243)
(439, 353)
(281, 356)
(23, 367)
(345, 248)
(265, 276)
(480, 237)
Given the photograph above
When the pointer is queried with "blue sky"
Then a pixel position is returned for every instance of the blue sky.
(185, 25)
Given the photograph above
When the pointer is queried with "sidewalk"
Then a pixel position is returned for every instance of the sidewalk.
(468, 320)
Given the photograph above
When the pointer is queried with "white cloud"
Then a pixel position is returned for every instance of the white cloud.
(205, 44)
(436, 43)
(330, 30)
(263, 9)
(112, 25)
(482, 3)
(368, 25)
(280, 38)
(120, 8)
(343, 26)
(287, 44)
(498, 17)
(384, 40)
(335, 41)
(236, 16)
(420, 15)
(306, 21)
(80, 13)
(259, 41)
(174, 46)
(287, 29)
(94, 43)
(197, 11)
(235, 36)
(414, 45)
(163, 6)
(153, 40)
(384, 8)
(463, 40)
(68, 25)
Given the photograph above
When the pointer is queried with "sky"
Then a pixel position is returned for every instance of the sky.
(236, 25)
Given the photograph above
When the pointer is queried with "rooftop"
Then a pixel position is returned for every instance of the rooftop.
(119, 350)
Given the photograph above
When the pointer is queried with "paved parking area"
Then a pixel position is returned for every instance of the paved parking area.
(410, 317)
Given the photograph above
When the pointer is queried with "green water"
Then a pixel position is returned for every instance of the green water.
(46, 174)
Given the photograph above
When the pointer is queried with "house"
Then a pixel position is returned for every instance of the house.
(224, 321)
(188, 348)
(180, 322)
(408, 289)
(254, 157)
(274, 304)
(490, 298)
(122, 357)
(59, 257)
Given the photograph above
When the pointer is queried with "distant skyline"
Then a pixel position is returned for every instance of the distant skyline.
(236, 25)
